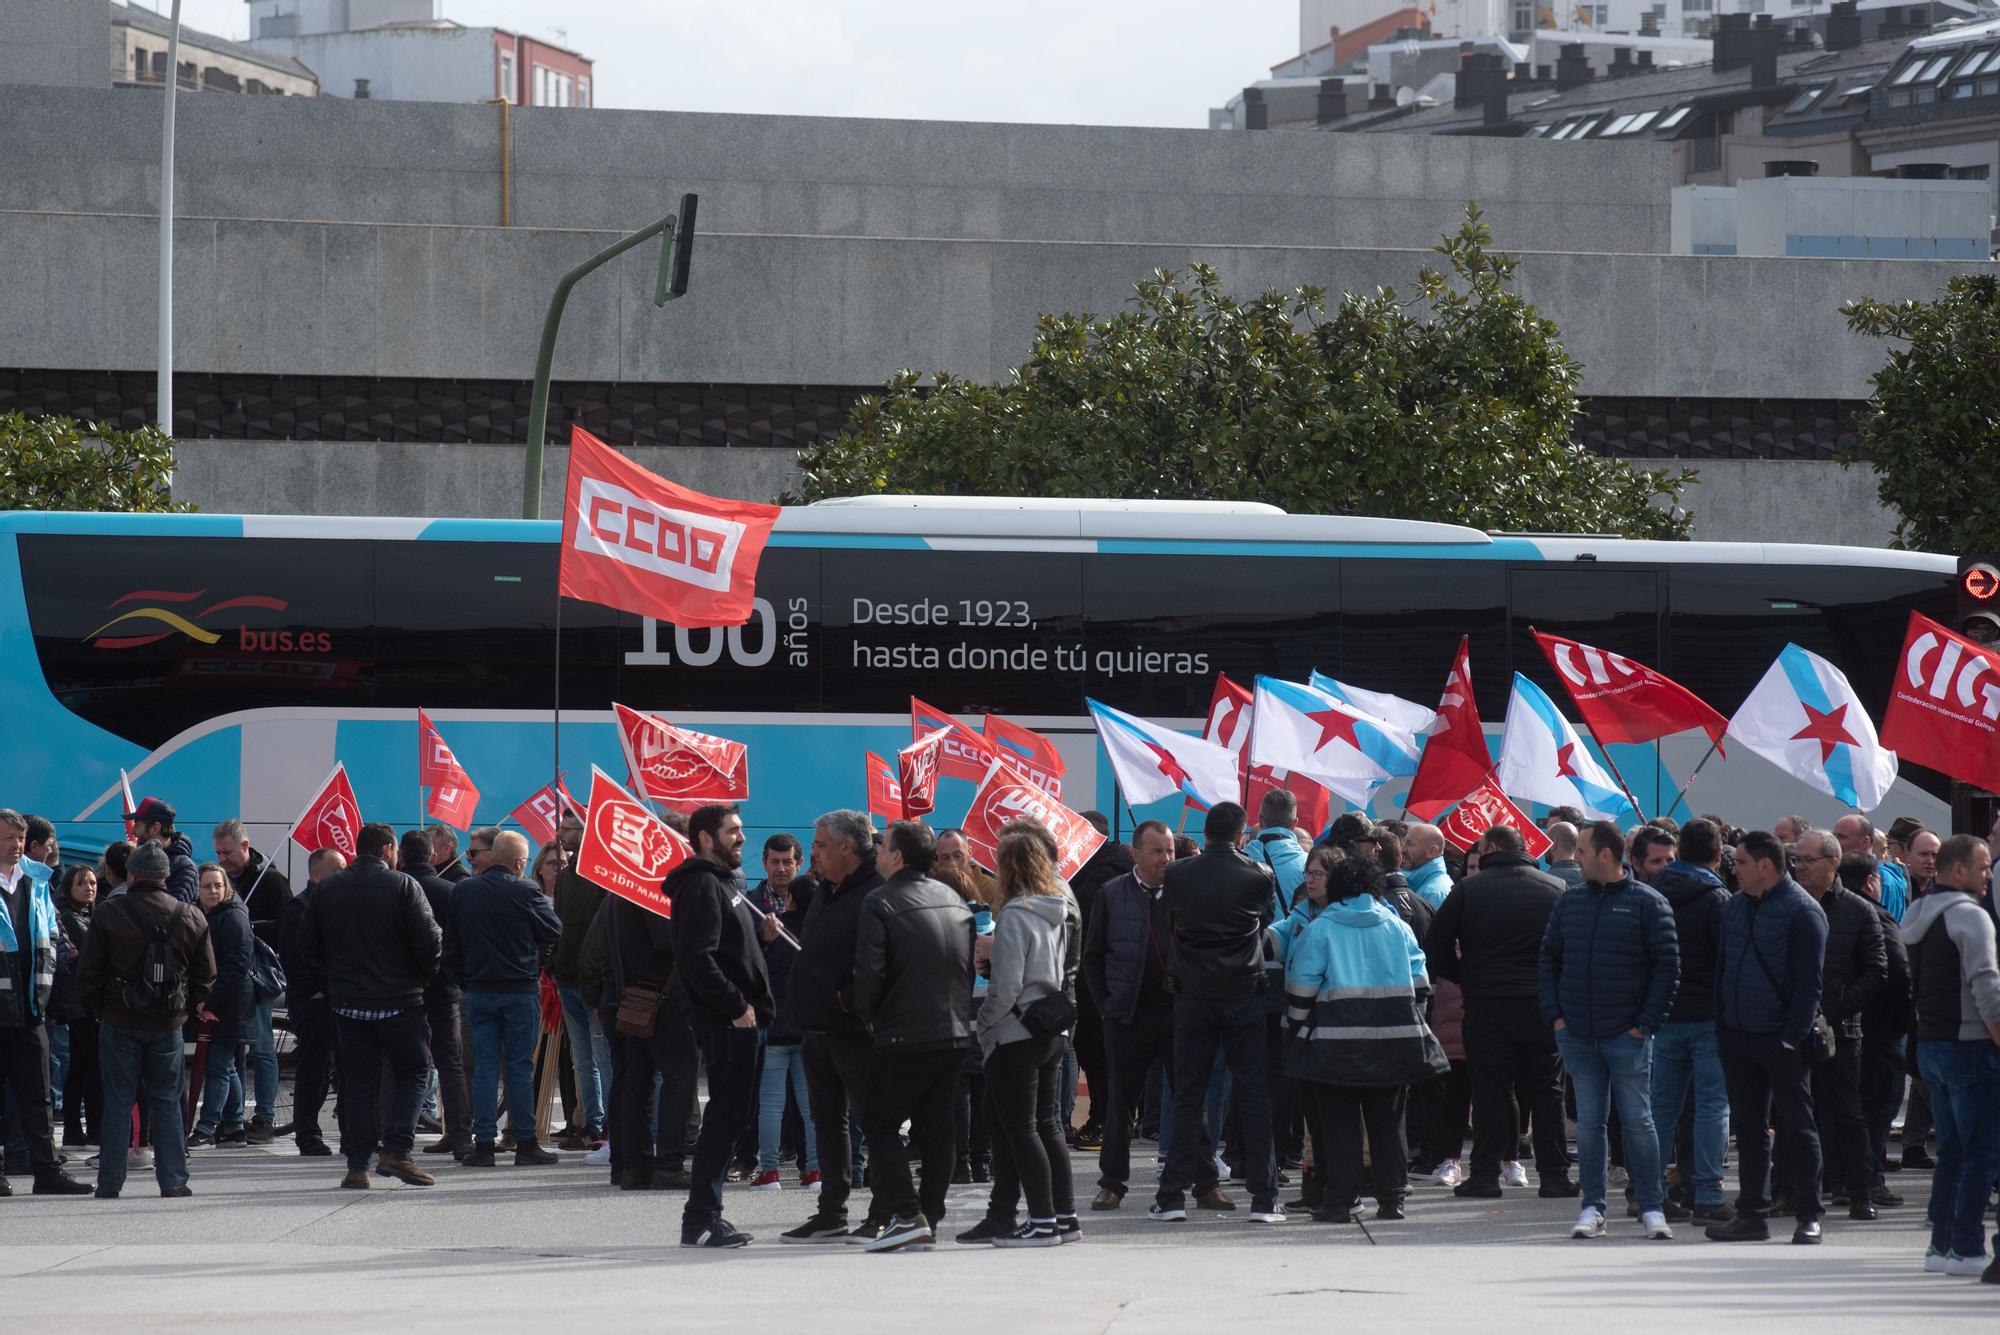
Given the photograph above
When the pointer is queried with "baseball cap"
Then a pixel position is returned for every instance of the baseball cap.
(152, 808)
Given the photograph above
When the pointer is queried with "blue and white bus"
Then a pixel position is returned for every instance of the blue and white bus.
(226, 661)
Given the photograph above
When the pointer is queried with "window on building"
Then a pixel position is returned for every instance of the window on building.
(540, 97)
(1619, 125)
(138, 64)
(1978, 173)
(1909, 72)
(1803, 100)
(565, 91)
(1641, 121)
(583, 92)
(1673, 118)
(1989, 87)
(507, 89)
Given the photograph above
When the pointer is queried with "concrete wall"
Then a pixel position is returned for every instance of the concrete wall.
(328, 299)
(340, 160)
(1770, 500)
(54, 43)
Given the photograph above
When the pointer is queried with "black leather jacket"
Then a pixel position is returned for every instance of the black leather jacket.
(1219, 902)
(913, 973)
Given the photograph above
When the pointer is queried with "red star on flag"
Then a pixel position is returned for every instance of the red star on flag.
(1334, 723)
(1566, 762)
(1826, 728)
(1168, 765)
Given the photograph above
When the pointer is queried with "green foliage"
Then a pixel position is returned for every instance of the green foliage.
(1454, 405)
(57, 463)
(1932, 429)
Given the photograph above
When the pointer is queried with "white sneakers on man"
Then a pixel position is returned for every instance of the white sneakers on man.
(1590, 1223)
(1513, 1173)
(1654, 1223)
(1448, 1173)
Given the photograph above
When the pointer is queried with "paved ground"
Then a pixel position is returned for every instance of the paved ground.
(269, 1243)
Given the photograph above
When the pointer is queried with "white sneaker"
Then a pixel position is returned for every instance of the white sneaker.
(1513, 1173)
(139, 1159)
(1221, 1169)
(1590, 1223)
(1935, 1261)
(1619, 1177)
(1964, 1266)
(1276, 1215)
(1448, 1173)
(600, 1156)
(1654, 1222)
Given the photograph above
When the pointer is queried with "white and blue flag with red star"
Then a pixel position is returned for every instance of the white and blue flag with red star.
(1804, 718)
(1406, 715)
(1310, 732)
(1543, 760)
(1153, 762)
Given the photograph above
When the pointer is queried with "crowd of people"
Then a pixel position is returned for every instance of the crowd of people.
(1342, 1013)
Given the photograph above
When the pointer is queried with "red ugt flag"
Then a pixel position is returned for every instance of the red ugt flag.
(453, 797)
(635, 541)
(1623, 701)
(1456, 759)
(626, 849)
(332, 819)
(672, 764)
(1485, 807)
(1944, 708)
(1003, 798)
(885, 790)
(917, 768)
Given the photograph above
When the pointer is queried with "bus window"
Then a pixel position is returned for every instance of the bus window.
(1401, 620)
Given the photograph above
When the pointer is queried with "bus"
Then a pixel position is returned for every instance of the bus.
(226, 661)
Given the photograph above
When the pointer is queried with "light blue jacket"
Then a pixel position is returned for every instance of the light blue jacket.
(1431, 881)
(1356, 985)
(1278, 848)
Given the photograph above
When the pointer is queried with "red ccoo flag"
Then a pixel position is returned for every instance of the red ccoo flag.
(626, 849)
(1944, 705)
(332, 819)
(1230, 712)
(1027, 752)
(1456, 759)
(964, 754)
(453, 796)
(885, 789)
(1485, 807)
(541, 814)
(1623, 701)
(635, 541)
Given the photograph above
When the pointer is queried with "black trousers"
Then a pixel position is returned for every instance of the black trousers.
(1131, 1050)
(1510, 1050)
(446, 1017)
(1029, 1152)
(669, 1053)
(24, 1065)
(365, 1045)
(1283, 1092)
(1087, 1040)
(921, 1088)
(1882, 1073)
(974, 1147)
(83, 1087)
(1843, 1128)
(1343, 1110)
(837, 1087)
(311, 1021)
(1450, 1105)
(1768, 1080)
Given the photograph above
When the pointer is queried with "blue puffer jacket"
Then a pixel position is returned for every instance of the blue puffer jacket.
(229, 933)
(1431, 882)
(1610, 960)
(1697, 896)
(1355, 992)
(1787, 929)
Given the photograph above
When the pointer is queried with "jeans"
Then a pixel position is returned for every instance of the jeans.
(922, 1087)
(1607, 1070)
(837, 1087)
(1029, 1152)
(1768, 1081)
(504, 1028)
(58, 1064)
(364, 1044)
(589, 1052)
(1683, 1055)
(731, 1055)
(311, 1021)
(784, 1063)
(1129, 1050)
(1883, 1074)
(127, 1056)
(263, 1060)
(1509, 1051)
(1235, 1027)
(222, 1079)
(1964, 1082)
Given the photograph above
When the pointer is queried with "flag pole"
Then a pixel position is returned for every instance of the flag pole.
(1713, 744)
(555, 727)
(1626, 787)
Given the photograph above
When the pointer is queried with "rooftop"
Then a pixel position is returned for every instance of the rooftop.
(145, 20)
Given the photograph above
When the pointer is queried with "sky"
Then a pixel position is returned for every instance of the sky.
(1084, 62)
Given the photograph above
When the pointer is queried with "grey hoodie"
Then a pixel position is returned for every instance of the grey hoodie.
(1026, 965)
(1936, 927)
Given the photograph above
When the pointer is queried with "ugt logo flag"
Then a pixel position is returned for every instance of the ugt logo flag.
(1002, 799)
(634, 541)
(1944, 710)
(332, 818)
(626, 849)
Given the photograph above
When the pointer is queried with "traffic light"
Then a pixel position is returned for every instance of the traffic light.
(1979, 597)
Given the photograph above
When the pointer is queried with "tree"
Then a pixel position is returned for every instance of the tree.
(1932, 429)
(57, 463)
(1455, 405)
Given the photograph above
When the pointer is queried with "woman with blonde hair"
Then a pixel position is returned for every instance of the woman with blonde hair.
(1028, 1009)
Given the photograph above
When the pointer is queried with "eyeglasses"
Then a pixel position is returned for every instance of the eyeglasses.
(1315, 875)
(480, 848)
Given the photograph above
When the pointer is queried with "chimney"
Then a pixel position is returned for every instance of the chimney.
(1523, 73)
(1646, 62)
(361, 90)
(1762, 44)
(1545, 74)
(1381, 97)
(1621, 62)
(1573, 67)
(1731, 46)
(1494, 104)
(1256, 116)
(1476, 72)
(1843, 26)
(1332, 105)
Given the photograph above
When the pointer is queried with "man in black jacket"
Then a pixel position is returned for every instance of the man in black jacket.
(369, 933)
(306, 1011)
(1111, 859)
(1855, 972)
(1125, 969)
(444, 854)
(501, 931)
(1487, 938)
(1221, 907)
(444, 1004)
(729, 1001)
(819, 1000)
(1885, 1024)
(154, 819)
(1684, 1049)
(913, 980)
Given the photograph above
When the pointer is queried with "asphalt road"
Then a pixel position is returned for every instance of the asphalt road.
(269, 1243)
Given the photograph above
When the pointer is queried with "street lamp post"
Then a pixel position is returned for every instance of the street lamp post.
(166, 390)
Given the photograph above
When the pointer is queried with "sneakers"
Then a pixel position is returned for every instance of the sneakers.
(1068, 1228)
(260, 1132)
(1991, 1275)
(140, 1158)
(199, 1139)
(404, 1169)
(817, 1230)
(1884, 1197)
(985, 1231)
(721, 1235)
(1390, 1211)
(867, 1231)
(232, 1138)
(599, 1157)
(903, 1234)
(809, 1178)
(1448, 1173)
(1965, 1267)
(767, 1180)
(315, 1149)
(60, 1183)
(1513, 1173)
(1590, 1224)
(1213, 1199)
(1160, 1214)
(1270, 1214)
(1034, 1233)
(1089, 1138)
(1743, 1228)
(1675, 1212)
(1654, 1223)
(1935, 1261)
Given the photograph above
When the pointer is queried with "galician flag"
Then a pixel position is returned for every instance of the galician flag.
(1407, 715)
(1310, 732)
(1153, 762)
(1804, 718)
(1543, 760)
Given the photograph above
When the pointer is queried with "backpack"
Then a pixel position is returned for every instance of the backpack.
(160, 992)
(267, 974)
